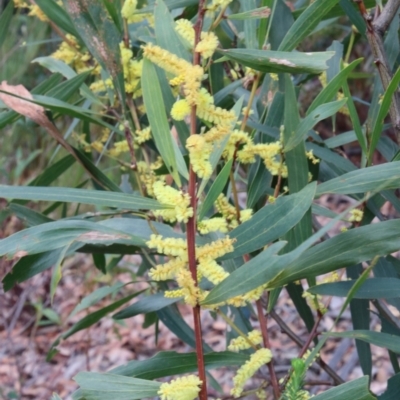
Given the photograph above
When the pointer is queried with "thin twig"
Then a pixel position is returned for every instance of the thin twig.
(267, 345)
(375, 32)
(381, 24)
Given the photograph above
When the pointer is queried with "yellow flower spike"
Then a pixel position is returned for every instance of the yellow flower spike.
(210, 269)
(246, 214)
(168, 246)
(207, 44)
(223, 206)
(215, 249)
(185, 29)
(216, 4)
(170, 196)
(237, 137)
(180, 110)
(147, 176)
(118, 148)
(311, 157)
(240, 343)
(246, 371)
(183, 388)
(189, 289)
(169, 270)
(143, 136)
(356, 215)
(129, 8)
(35, 11)
(212, 225)
(253, 295)
(199, 152)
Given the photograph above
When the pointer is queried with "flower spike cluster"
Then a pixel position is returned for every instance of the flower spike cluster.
(183, 388)
(177, 267)
(246, 371)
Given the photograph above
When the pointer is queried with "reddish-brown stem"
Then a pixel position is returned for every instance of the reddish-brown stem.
(264, 331)
(191, 224)
(312, 334)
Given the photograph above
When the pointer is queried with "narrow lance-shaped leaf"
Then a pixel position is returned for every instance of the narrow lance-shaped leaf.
(53, 235)
(271, 222)
(321, 112)
(280, 61)
(348, 248)
(256, 13)
(329, 92)
(167, 363)
(374, 288)
(385, 340)
(155, 109)
(376, 178)
(148, 304)
(355, 390)
(84, 196)
(306, 23)
(106, 386)
(389, 96)
(216, 189)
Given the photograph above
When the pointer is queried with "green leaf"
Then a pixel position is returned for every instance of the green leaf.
(320, 113)
(5, 20)
(106, 386)
(215, 189)
(29, 216)
(53, 235)
(246, 278)
(250, 25)
(355, 120)
(383, 110)
(306, 23)
(95, 297)
(271, 222)
(373, 288)
(65, 90)
(393, 389)
(330, 90)
(95, 172)
(348, 248)
(173, 320)
(148, 304)
(29, 266)
(58, 16)
(355, 390)
(153, 101)
(360, 313)
(100, 35)
(167, 37)
(256, 13)
(84, 196)
(280, 61)
(55, 65)
(167, 363)
(385, 340)
(375, 179)
(114, 9)
(171, 4)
